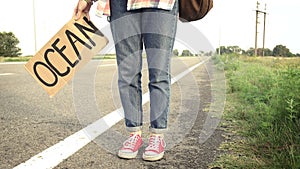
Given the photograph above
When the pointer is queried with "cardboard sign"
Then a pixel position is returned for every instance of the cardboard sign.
(66, 52)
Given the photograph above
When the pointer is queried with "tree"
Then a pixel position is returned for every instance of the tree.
(229, 50)
(175, 52)
(8, 44)
(250, 52)
(210, 53)
(222, 50)
(268, 52)
(234, 49)
(200, 53)
(281, 50)
(186, 53)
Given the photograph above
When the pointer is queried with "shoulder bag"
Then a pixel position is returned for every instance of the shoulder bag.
(193, 10)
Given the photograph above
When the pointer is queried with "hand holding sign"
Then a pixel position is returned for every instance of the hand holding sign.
(71, 48)
(83, 6)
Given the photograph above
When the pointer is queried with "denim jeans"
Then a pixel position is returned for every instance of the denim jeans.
(152, 29)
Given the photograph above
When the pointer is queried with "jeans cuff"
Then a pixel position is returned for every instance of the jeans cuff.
(157, 131)
(134, 129)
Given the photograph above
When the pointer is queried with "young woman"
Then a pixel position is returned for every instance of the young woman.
(138, 24)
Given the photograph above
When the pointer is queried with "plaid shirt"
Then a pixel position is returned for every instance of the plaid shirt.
(103, 5)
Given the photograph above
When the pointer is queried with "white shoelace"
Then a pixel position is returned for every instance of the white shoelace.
(131, 142)
(154, 142)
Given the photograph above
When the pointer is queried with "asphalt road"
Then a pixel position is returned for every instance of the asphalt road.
(31, 122)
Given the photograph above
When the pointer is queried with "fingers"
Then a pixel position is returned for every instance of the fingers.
(78, 15)
(81, 7)
(87, 10)
(88, 16)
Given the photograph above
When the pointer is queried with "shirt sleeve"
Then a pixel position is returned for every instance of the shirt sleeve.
(103, 7)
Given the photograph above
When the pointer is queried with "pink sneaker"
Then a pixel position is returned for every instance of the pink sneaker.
(156, 148)
(131, 147)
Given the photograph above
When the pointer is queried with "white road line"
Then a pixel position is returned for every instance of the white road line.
(6, 74)
(54, 155)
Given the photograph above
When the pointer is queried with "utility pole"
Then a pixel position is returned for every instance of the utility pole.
(219, 40)
(264, 34)
(34, 25)
(256, 25)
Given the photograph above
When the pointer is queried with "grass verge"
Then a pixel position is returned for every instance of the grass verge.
(262, 114)
(15, 59)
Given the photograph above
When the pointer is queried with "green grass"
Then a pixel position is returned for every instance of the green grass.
(15, 59)
(262, 114)
(106, 56)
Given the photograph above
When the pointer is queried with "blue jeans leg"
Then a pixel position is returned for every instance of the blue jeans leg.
(159, 29)
(126, 31)
(155, 29)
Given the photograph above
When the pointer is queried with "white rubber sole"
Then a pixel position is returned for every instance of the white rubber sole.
(127, 155)
(153, 158)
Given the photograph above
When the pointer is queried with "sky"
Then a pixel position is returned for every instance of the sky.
(229, 23)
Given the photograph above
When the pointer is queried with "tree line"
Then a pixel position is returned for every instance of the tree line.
(9, 48)
(187, 52)
(278, 50)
